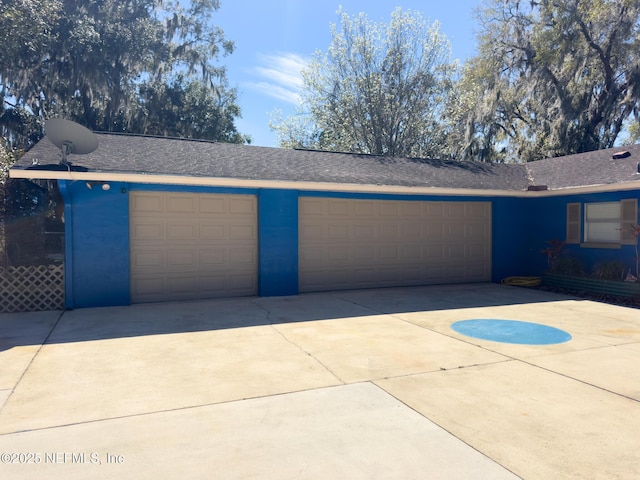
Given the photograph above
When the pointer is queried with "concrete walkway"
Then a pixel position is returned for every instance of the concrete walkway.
(346, 385)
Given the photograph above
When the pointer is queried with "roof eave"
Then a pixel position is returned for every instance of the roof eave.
(307, 185)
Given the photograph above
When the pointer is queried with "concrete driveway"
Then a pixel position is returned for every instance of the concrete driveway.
(342, 385)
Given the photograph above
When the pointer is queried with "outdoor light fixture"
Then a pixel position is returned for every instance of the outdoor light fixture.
(104, 185)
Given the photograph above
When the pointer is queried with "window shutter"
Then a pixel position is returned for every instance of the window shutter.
(628, 219)
(573, 223)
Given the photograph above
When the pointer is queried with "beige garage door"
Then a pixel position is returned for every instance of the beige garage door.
(191, 246)
(348, 243)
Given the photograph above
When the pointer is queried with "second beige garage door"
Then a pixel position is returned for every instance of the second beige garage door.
(188, 246)
(346, 243)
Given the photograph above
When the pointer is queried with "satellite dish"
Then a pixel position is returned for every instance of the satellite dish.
(70, 137)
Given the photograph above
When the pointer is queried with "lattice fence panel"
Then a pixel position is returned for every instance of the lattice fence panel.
(31, 288)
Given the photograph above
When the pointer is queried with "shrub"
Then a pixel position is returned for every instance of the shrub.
(609, 271)
(568, 266)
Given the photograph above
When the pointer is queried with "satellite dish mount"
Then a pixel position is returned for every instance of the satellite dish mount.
(70, 137)
(66, 148)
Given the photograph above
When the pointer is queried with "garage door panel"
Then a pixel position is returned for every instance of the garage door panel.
(242, 206)
(313, 279)
(246, 282)
(242, 256)
(148, 203)
(348, 243)
(212, 232)
(434, 210)
(338, 232)
(455, 273)
(312, 233)
(366, 253)
(476, 232)
(410, 252)
(312, 207)
(184, 231)
(391, 276)
(434, 274)
(411, 232)
(476, 271)
(389, 253)
(212, 257)
(338, 253)
(389, 232)
(356, 275)
(432, 253)
(455, 253)
(364, 208)
(413, 275)
(147, 231)
(212, 205)
(181, 284)
(146, 287)
(477, 210)
(476, 251)
(432, 234)
(180, 204)
(389, 209)
(192, 246)
(213, 285)
(182, 259)
(148, 259)
(454, 231)
(243, 233)
(411, 209)
(339, 207)
(452, 209)
(364, 232)
(311, 256)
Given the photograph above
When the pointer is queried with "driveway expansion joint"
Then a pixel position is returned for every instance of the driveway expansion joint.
(44, 342)
(443, 427)
(584, 382)
(309, 354)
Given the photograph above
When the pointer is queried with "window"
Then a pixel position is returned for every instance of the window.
(603, 222)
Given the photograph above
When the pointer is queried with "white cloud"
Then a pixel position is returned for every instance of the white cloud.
(280, 76)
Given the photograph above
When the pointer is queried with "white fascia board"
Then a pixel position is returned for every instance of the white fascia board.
(308, 186)
(601, 188)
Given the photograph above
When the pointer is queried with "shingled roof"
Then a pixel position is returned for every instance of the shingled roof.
(124, 156)
(588, 169)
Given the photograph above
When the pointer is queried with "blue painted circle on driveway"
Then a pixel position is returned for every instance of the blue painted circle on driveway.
(511, 331)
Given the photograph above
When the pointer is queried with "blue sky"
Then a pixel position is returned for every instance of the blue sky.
(274, 39)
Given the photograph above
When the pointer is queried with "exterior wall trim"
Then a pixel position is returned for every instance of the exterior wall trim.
(317, 186)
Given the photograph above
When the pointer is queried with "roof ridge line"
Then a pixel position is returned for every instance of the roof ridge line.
(165, 137)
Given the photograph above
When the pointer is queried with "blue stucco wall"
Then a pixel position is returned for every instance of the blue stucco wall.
(548, 219)
(97, 244)
(97, 236)
(512, 252)
(278, 242)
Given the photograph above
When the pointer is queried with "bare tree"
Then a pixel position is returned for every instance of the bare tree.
(380, 89)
